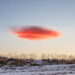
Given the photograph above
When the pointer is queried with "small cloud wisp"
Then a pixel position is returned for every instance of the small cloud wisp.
(34, 33)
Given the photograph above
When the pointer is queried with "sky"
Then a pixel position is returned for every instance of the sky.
(52, 14)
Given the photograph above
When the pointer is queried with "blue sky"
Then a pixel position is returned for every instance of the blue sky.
(54, 14)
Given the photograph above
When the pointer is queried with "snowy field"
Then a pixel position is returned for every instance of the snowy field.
(39, 70)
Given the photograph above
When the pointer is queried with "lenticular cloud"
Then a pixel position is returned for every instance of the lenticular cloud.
(34, 33)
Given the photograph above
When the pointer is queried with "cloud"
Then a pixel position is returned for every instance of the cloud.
(34, 33)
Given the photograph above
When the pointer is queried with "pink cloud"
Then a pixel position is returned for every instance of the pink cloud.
(35, 33)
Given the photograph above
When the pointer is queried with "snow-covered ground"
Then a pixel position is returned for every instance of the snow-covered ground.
(39, 70)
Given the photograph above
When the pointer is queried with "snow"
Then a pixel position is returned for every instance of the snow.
(38, 62)
(63, 69)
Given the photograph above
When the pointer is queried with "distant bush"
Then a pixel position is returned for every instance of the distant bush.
(3, 61)
(46, 60)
